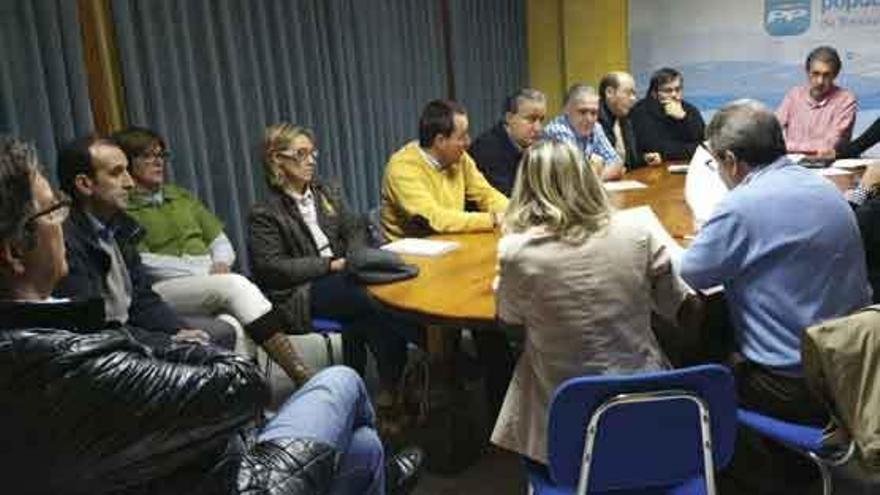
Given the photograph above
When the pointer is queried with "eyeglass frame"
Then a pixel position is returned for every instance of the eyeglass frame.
(299, 156)
(164, 156)
(63, 203)
(712, 162)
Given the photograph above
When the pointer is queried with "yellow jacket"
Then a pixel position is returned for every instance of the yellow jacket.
(418, 199)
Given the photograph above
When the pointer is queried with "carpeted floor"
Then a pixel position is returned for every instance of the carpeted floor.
(498, 472)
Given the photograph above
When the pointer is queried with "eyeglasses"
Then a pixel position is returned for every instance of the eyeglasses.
(55, 214)
(711, 162)
(299, 156)
(668, 90)
(163, 155)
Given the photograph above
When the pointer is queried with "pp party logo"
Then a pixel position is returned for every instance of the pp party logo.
(786, 17)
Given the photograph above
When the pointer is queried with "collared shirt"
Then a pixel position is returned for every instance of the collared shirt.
(812, 125)
(431, 159)
(594, 143)
(786, 247)
(116, 290)
(306, 204)
(619, 145)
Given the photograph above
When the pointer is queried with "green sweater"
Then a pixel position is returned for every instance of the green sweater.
(180, 225)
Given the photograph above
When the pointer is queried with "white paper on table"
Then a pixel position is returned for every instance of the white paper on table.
(828, 172)
(678, 169)
(623, 185)
(850, 163)
(420, 247)
(703, 188)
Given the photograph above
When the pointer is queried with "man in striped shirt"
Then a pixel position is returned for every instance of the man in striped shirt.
(577, 125)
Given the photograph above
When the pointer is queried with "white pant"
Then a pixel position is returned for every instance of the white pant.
(210, 295)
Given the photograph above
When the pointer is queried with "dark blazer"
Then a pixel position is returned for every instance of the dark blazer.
(657, 132)
(101, 413)
(88, 265)
(497, 157)
(634, 158)
(868, 138)
(283, 254)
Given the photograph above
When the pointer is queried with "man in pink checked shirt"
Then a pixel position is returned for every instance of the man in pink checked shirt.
(819, 115)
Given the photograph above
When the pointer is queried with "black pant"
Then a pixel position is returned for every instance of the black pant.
(498, 358)
(760, 466)
(365, 324)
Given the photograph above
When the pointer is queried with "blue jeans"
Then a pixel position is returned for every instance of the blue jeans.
(333, 408)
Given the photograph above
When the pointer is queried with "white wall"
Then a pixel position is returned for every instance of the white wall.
(730, 49)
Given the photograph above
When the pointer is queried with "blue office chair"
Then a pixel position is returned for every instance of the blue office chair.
(660, 432)
(805, 440)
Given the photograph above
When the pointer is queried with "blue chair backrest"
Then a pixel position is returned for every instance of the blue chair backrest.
(645, 444)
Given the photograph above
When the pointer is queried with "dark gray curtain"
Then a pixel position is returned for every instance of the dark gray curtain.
(209, 75)
(488, 56)
(43, 87)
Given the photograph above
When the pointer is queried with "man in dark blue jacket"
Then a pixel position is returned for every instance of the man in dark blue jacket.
(498, 150)
(101, 246)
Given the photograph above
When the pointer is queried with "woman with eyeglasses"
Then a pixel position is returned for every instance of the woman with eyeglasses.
(298, 240)
(581, 281)
(189, 256)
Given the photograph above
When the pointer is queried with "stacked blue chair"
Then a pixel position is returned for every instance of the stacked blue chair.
(806, 440)
(660, 432)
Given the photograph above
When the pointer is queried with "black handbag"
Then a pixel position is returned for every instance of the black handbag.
(377, 266)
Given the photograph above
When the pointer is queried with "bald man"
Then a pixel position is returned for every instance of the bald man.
(617, 95)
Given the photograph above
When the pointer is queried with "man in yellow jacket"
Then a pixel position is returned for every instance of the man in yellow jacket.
(426, 183)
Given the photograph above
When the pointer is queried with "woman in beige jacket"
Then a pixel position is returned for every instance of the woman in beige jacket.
(582, 281)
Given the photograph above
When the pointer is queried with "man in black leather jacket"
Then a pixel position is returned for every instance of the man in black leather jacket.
(89, 410)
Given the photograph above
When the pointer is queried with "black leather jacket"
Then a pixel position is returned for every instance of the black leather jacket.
(102, 413)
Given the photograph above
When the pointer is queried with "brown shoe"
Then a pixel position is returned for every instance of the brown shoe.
(280, 348)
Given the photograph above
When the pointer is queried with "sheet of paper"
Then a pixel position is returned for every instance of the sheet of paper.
(678, 169)
(851, 163)
(623, 185)
(827, 172)
(421, 247)
(703, 188)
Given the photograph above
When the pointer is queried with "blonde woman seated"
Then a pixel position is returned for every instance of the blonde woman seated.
(582, 281)
(298, 240)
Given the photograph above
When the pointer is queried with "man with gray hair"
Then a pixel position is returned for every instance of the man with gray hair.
(577, 125)
(786, 247)
(498, 150)
(818, 116)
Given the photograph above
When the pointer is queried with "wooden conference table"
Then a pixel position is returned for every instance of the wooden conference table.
(456, 288)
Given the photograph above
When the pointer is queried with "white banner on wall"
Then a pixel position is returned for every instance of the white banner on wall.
(730, 49)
